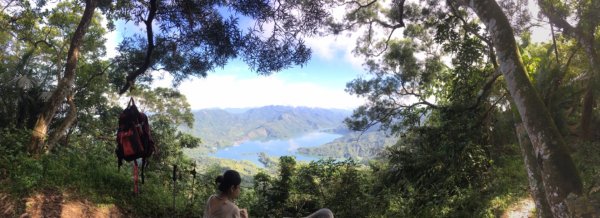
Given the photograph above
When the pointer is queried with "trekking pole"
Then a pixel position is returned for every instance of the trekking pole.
(174, 183)
(193, 182)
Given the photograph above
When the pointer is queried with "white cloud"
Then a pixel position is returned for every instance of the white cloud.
(112, 41)
(228, 91)
(329, 47)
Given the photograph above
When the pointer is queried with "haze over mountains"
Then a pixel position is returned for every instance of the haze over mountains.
(226, 127)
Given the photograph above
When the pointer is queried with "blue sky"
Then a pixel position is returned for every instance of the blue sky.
(319, 83)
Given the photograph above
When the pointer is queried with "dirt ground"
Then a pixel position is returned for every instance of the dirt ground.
(52, 204)
(524, 208)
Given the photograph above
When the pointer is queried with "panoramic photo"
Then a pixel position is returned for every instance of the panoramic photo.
(311, 108)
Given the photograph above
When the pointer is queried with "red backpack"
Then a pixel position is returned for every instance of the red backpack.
(133, 138)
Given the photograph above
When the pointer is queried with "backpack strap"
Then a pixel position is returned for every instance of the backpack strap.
(135, 177)
(144, 163)
(131, 102)
(119, 157)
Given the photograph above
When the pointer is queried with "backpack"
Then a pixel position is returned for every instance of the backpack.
(133, 138)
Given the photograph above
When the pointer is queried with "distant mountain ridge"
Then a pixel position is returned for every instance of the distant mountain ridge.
(224, 127)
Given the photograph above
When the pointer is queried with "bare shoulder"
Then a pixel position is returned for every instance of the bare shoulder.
(214, 201)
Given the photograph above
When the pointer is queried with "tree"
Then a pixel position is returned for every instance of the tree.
(64, 87)
(441, 109)
(399, 73)
(559, 175)
(587, 16)
(192, 39)
(195, 37)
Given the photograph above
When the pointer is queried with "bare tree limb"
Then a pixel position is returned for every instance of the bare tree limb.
(147, 60)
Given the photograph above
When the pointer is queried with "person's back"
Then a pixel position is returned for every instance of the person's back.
(217, 207)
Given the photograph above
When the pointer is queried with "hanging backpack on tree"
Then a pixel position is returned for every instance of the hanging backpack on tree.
(134, 140)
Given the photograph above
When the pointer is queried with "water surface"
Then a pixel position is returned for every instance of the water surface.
(249, 150)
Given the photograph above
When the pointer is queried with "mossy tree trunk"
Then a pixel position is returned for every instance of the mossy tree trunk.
(536, 186)
(559, 175)
(64, 87)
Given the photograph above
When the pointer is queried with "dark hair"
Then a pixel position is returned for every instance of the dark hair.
(227, 180)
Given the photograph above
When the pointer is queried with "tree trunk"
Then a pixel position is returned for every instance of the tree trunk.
(559, 175)
(588, 100)
(586, 115)
(61, 131)
(65, 84)
(536, 186)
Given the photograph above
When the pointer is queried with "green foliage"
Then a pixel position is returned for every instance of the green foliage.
(509, 184)
(298, 190)
(587, 159)
(437, 166)
(192, 38)
(35, 49)
(167, 102)
(88, 170)
(356, 145)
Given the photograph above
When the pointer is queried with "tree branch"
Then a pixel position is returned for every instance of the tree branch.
(7, 6)
(89, 81)
(487, 112)
(148, 58)
(486, 88)
(488, 42)
(361, 6)
(548, 9)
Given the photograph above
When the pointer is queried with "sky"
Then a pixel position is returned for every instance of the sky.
(319, 83)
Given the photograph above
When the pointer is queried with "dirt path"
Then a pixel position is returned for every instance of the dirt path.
(524, 208)
(55, 204)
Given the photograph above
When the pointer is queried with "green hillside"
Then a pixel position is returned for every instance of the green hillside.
(353, 145)
(218, 127)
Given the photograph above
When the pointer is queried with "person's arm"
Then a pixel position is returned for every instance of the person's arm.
(243, 213)
(321, 213)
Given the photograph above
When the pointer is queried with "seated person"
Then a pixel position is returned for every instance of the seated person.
(221, 205)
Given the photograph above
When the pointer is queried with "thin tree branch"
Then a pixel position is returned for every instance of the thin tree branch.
(7, 5)
(493, 106)
(548, 9)
(467, 27)
(147, 60)
(554, 43)
(484, 92)
(360, 6)
(89, 81)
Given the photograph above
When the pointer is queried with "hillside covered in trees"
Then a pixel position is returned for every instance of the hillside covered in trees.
(485, 116)
(219, 127)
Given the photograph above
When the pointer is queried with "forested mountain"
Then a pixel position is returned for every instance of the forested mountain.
(218, 127)
(353, 145)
